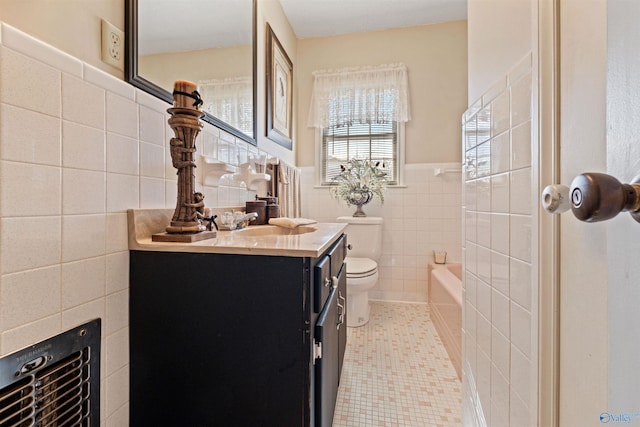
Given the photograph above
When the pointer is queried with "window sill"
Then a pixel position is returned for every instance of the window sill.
(388, 186)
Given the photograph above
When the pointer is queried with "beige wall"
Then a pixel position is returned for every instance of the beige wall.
(72, 26)
(499, 36)
(436, 56)
(197, 65)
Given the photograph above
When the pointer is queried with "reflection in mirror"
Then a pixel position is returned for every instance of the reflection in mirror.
(209, 42)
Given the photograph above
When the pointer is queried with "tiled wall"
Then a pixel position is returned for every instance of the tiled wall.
(499, 311)
(420, 217)
(78, 148)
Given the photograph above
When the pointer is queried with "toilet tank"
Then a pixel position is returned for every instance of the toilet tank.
(364, 234)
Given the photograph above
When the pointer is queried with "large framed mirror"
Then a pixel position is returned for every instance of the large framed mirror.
(209, 42)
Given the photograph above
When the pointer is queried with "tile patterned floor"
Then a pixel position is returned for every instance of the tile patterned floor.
(397, 372)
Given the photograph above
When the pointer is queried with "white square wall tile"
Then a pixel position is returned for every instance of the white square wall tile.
(117, 272)
(500, 272)
(520, 373)
(83, 102)
(500, 153)
(483, 300)
(521, 329)
(41, 287)
(520, 237)
(29, 189)
(500, 312)
(117, 239)
(82, 281)
(483, 194)
(39, 142)
(520, 192)
(122, 154)
(117, 386)
(83, 147)
(484, 229)
(84, 313)
(28, 83)
(29, 242)
(122, 116)
(499, 399)
(117, 317)
(483, 381)
(520, 283)
(521, 146)
(500, 114)
(152, 193)
(83, 236)
(117, 350)
(500, 352)
(484, 264)
(122, 192)
(500, 193)
(84, 191)
(152, 126)
(500, 231)
(28, 333)
(521, 100)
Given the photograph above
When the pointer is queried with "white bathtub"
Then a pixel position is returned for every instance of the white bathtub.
(445, 304)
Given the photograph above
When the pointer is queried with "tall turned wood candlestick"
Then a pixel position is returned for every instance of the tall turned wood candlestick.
(186, 223)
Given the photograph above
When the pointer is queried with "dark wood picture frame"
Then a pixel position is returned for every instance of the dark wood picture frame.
(279, 88)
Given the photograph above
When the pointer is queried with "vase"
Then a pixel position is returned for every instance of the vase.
(359, 197)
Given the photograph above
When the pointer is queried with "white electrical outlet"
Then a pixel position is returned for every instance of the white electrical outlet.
(112, 45)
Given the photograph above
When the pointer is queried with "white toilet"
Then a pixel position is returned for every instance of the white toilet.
(364, 237)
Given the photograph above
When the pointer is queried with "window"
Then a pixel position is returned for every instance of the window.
(360, 113)
(379, 142)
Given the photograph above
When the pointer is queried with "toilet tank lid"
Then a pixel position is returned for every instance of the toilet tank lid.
(360, 219)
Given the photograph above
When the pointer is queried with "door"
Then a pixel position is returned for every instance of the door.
(599, 276)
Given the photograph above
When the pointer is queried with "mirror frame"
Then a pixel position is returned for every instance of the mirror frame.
(132, 77)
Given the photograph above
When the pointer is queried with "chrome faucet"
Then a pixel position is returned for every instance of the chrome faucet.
(241, 221)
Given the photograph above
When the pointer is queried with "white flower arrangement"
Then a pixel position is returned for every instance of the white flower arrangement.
(358, 182)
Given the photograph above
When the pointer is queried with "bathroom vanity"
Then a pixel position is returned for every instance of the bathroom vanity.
(248, 329)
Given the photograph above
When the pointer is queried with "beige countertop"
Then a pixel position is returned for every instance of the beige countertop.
(305, 241)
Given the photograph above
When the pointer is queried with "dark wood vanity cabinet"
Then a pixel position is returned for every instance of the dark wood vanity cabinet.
(223, 339)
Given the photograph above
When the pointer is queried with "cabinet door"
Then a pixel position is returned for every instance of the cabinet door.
(326, 367)
(322, 283)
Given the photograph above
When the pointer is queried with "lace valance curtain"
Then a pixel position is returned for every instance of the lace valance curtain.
(230, 100)
(371, 94)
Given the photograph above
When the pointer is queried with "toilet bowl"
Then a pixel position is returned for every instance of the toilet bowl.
(364, 235)
(362, 275)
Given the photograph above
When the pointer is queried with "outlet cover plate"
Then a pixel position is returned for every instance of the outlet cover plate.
(112, 45)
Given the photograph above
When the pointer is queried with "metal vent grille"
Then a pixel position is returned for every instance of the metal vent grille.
(54, 383)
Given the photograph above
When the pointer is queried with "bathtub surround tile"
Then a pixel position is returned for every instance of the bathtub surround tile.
(503, 269)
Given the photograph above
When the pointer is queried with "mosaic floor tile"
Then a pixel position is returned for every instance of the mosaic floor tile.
(397, 372)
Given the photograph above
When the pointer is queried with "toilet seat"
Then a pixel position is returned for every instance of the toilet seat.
(360, 267)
